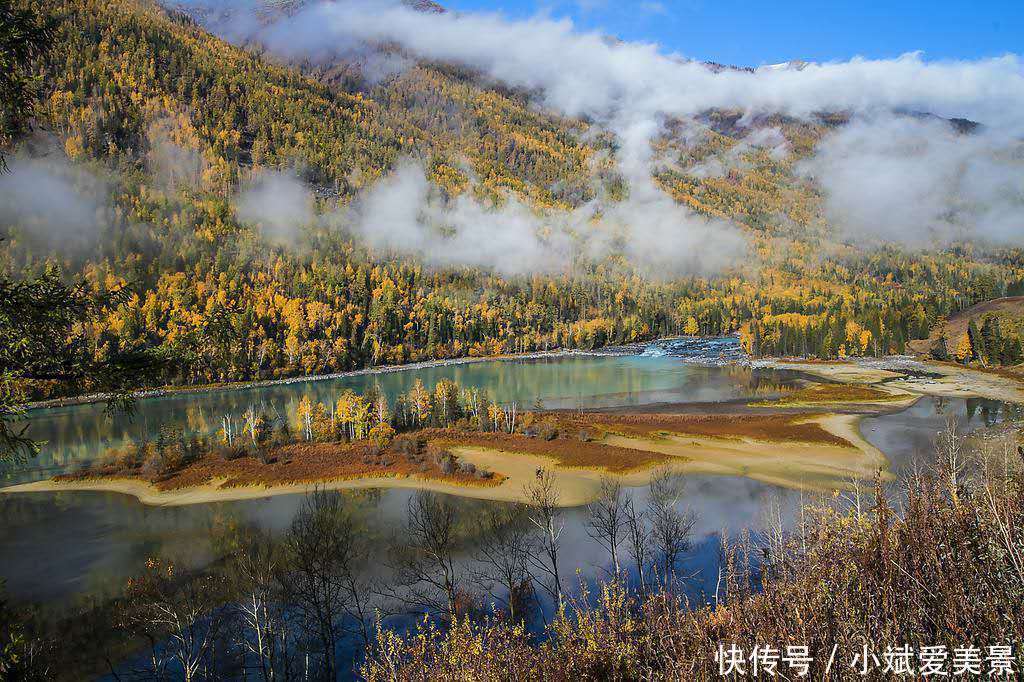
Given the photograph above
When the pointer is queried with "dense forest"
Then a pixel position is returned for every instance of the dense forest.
(173, 120)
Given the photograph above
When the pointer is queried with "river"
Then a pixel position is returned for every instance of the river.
(56, 548)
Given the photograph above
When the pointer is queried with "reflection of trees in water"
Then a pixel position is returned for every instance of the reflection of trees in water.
(304, 600)
(368, 530)
(206, 535)
(992, 412)
(76, 435)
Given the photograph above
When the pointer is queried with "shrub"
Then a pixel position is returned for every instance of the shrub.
(548, 430)
(171, 448)
(405, 446)
(282, 430)
(444, 460)
(381, 435)
(152, 462)
(230, 452)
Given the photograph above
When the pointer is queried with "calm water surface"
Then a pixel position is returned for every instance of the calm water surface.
(76, 435)
(57, 547)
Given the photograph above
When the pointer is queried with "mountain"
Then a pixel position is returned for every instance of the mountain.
(181, 151)
(792, 65)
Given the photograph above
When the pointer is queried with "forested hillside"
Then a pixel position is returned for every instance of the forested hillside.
(173, 121)
(989, 333)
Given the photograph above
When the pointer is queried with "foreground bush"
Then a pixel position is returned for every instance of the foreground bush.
(934, 581)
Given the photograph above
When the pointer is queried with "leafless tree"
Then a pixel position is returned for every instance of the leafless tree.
(25, 657)
(252, 423)
(425, 573)
(178, 614)
(638, 538)
(545, 514)
(855, 495)
(318, 582)
(607, 521)
(264, 632)
(510, 411)
(774, 536)
(503, 555)
(952, 458)
(227, 423)
(670, 526)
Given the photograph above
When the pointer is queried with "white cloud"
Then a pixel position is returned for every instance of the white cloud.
(401, 213)
(52, 202)
(918, 182)
(630, 88)
(584, 73)
(278, 203)
(653, 7)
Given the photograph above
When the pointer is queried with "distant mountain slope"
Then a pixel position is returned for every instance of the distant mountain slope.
(123, 65)
(1006, 320)
(160, 131)
(551, 161)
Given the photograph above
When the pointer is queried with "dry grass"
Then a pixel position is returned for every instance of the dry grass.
(568, 452)
(770, 427)
(296, 463)
(830, 394)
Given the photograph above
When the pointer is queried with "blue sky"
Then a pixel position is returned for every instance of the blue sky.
(766, 32)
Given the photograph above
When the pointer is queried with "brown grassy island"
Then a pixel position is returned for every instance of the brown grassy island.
(815, 451)
(456, 440)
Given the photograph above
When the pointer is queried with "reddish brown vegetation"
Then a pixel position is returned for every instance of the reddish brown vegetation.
(305, 462)
(570, 441)
(833, 393)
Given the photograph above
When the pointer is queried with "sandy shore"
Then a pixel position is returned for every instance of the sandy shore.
(213, 492)
(905, 374)
(812, 466)
(892, 399)
(800, 466)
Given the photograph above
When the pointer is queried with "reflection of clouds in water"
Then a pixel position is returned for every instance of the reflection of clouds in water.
(101, 538)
